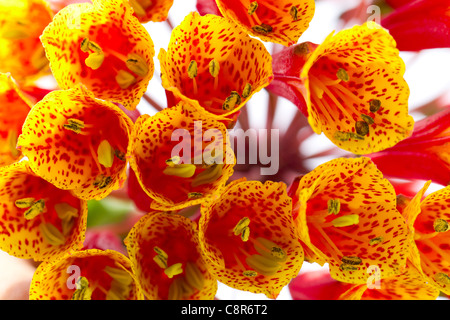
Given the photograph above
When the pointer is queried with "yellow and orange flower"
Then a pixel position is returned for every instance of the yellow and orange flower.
(352, 85)
(86, 275)
(77, 142)
(271, 20)
(166, 256)
(14, 108)
(21, 51)
(38, 221)
(214, 64)
(428, 220)
(103, 46)
(151, 10)
(347, 217)
(249, 238)
(180, 156)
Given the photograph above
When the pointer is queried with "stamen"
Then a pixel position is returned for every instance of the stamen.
(160, 261)
(362, 128)
(243, 223)
(214, 68)
(192, 73)
(181, 170)
(52, 234)
(263, 265)
(161, 252)
(172, 162)
(66, 213)
(74, 125)
(175, 290)
(95, 60)
(247, 91)
(120, 155)
(245, 234)
(252, 7)
(36, 208)
(352, 260)
(346, 221)
(269, 249)
(83, 292)
(194, 276)
(343, 75)
(125, 79)
(139, 6)
(102, 181)
(294, 13)
(334, 206)
(174, 270)
(375, 105)
(232, 101)
(24, 203)
(375, 241)
(250, 273)
(87, 45)
(105, 154)
(209, 175)
(12, 143)
(119, 275)
(263, 29)
(195, 195)
(368, 119)
(440, 225)
(442, 278)
(347, 267)
(137, 65)
(345, 136)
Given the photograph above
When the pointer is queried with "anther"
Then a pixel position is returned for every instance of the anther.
(334, 206)
(105, 154)
(347, 267)
(368, 119)
(36, 208)
(362, 128)
(263, 265)
(263, 29)
(294, 13)
(442, 278)
(195, 195)
(345, 136)
(83, 292)
(440, 225)
(208, 175)
(181, 170)
(245, 234)
(174, 270)
(374, 105)
(137, 65)
(74, 125)
(250, 273)
(172, 162)
(375, 241)
(125, 79)
(243, 223)
(269, 249)
(102, 181)
(214, 68)
(95, 60)
(342, 75)
(24, 203)
(160, 261)
(192, 69)
(233, 100)
(346, 221)
(247, 91)
(52, 234)
(352, 260)
(252, 7)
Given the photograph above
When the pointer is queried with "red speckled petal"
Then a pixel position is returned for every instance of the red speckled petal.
(287, 19)
(111, 26)
(240, 59)
(179, 128)
(177, 237)
(23, 237)
(378, 235)
(56, 279)
(269, 209)
(69, 159)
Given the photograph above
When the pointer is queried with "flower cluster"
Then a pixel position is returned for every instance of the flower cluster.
(64, 150)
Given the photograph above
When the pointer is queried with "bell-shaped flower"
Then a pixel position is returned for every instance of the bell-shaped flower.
(103, 46)
(77, 142)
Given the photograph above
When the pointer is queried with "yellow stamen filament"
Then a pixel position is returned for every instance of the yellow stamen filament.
(346, 221)
(243, 223)
(334, 206)
(24, 203)
(95, 60)
(181, 170)
(209, 175)
(137, 65)
(83, 292)
(74, 125)
(194, 276)
(125, 79)
(263, 265)
(179, 289)
(327, 241)
(252, 7)
(119, 275)
(14, 30)
(51, 234)
(174, 270)
(247, 91)
(36, 208)
(269, 249)
(39, 59)
(12, 143)
(105, 154)
(440, 225)
(67, 214)
(233, 100)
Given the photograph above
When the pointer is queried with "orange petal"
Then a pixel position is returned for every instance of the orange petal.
(68, 157)
(355, 91)
(151, 10)
(24, 237)
(21, 24)
(171, 239)
(11, 99)
(246, 259)
(227, 63)
(117, 35)
(180, 131)
(364, 230)
(108, 273)
(277, 21)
